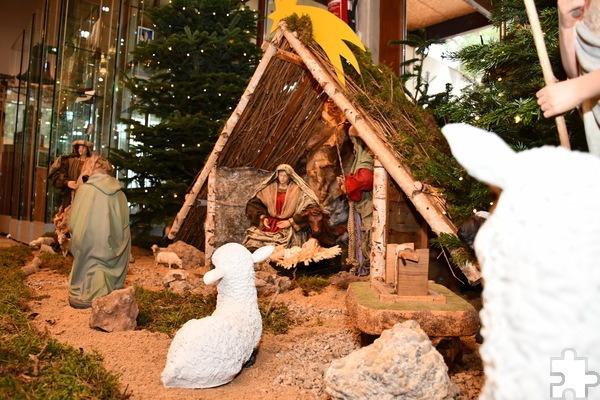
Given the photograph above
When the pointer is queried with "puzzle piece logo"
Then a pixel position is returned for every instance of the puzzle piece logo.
(575, 377)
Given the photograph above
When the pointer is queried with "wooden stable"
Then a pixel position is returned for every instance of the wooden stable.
(273, 124)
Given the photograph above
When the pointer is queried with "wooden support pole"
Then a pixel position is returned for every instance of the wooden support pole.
(379, 226)
(540, 45)
(190, 198)
(209, 223)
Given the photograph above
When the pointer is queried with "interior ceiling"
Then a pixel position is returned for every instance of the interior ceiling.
(16, 15)
(425, 13)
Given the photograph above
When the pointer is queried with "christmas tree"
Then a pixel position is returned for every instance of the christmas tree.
(189, 77)
(504, 100)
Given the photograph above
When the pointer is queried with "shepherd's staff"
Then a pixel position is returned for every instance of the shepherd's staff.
(538, 38)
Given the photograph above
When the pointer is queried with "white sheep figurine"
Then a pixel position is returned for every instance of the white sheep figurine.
(65, 243)
(540, 257)
(161, 256)
(211, 351)
(168, 257)
(155, 249)
(37, 243)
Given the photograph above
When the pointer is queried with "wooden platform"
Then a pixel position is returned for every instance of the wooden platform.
(371, 315)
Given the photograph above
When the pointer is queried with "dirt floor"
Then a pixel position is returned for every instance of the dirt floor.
(288, 366)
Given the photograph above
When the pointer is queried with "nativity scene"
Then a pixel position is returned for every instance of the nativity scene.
(302, 166)
(310, 172)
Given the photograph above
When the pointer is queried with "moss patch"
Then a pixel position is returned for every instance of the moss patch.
(369, 297)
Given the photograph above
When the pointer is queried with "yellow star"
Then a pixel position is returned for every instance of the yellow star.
(329, 32)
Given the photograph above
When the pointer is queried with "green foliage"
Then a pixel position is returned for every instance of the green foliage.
(34, 366)
(189, 79)
(312, 283)
(302, 25)
(276, 319)
(165, 311)
(504, 100)
(418, 139)
(461, 254)
(413, 68)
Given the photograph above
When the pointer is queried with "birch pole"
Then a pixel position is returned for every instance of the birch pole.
(210, 222)
(540, 45)
(190, 198)
(380, 214)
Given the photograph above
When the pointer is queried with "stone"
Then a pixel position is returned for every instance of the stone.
(179, 286)
(190, 256)
(33, 267)
(455, 317)
(174, 275)
(116, 311)
(400, 364)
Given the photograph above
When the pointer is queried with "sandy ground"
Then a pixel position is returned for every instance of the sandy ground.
(139, 356)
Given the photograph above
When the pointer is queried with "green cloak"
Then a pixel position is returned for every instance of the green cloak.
(100, 239)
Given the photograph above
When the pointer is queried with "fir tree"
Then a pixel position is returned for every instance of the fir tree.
(504, 100)
(190, 78)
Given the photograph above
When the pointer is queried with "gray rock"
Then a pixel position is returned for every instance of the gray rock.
(190, 256)
(33, 267)
(400, 364)
(115, 312)
(174, 275)
(179, 286)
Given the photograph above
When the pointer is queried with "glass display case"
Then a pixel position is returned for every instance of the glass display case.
(69, 61)
(86, 79)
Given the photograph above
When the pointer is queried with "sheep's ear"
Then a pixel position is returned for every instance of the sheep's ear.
(262, 253)
(483, 154)
(213, 275)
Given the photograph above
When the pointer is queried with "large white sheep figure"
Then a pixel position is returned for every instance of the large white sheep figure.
(211, 351)
(540, 258)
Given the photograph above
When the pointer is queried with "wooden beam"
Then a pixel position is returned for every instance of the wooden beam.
(392, 26)
(483, 7)
(290, 57)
